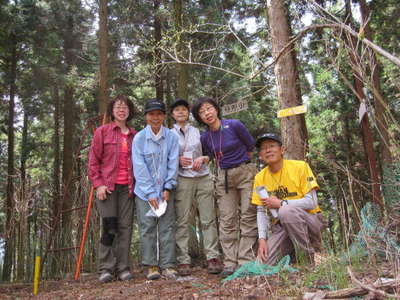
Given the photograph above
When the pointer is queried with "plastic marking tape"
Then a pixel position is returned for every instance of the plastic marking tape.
(291, 111)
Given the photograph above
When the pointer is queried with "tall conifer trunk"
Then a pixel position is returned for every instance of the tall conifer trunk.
(366, 131)
(293, 129)
(103, 56)
(157, 52)
(9, 204)
(380, 102)
(182, 74)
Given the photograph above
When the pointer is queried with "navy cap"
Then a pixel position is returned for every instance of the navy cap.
(154, 104)
(179, 102)
(268, 136)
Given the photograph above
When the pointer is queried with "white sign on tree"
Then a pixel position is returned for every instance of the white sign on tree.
(228, 109)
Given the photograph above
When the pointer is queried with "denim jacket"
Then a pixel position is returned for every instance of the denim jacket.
(155, 163)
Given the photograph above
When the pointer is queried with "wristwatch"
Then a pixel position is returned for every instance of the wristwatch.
(284, 202)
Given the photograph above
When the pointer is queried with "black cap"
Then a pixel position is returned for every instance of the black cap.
(268, 136)
(179, 102)
(154, 104)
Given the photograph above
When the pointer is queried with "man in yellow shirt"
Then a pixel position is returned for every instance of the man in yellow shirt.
(290, 204)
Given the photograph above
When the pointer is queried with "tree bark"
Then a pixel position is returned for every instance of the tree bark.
(380, 102)
(56, 205)
(366, 131)
(69, 113)
(157, 52)
(293, 129)
(23, 200)
(182, 74)
(9, 203)
(103, 56)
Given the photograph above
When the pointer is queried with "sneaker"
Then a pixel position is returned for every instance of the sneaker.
(214, 266)
(105, 277)
(170, 273)
(184, 270)
(227, 271)
(125, 275)
(153, 273)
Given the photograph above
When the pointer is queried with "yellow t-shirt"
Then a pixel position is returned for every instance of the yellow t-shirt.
(292, 182)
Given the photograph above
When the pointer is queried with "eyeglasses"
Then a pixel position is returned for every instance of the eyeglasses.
(120, 108)
(206, 110)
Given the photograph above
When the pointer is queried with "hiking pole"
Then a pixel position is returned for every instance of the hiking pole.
(84, 234)
(86, 225)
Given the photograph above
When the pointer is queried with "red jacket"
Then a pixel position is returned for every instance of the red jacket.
(104, 156)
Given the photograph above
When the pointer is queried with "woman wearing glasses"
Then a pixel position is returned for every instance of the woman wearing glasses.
(230, 144)
(110, 171)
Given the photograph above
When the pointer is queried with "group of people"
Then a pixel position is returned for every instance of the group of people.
(166, 171)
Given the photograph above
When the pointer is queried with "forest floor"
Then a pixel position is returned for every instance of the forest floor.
(199, 285)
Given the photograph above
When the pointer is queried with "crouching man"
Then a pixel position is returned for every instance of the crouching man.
(290, 204)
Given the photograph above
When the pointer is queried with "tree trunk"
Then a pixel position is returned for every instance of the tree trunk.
(182, 74)
(379, 100)
(9, 203)
(69, 112)
(293, 129)
(56, 205)
(24, 201)
(365, 127)
(157, 52)
(103, 56)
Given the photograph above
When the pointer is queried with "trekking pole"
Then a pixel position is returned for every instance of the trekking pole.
(85, 226)
(84, 234)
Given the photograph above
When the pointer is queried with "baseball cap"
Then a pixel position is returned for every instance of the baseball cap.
(179, 102)
(154, 104)
(268, 136)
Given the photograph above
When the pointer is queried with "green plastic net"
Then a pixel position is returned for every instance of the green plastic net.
(255, 268)
(373, 238)
(391, 184)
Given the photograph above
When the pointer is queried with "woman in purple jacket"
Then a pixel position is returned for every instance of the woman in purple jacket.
(230, 144)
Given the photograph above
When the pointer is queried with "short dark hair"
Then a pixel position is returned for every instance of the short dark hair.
(199, 102)
(124, 99)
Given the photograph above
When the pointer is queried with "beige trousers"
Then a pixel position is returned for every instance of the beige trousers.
(238, 217)
(197, 192)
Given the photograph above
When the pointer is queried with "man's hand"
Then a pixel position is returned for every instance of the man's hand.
(165, 195)
(153, 202)
(262, 250)
(101, 192)
(272, 202)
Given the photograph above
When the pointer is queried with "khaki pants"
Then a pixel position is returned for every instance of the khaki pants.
(238, 217)
(296, 229)
(197, 192)
(117, 218)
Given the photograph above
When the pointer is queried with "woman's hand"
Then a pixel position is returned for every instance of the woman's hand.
(153, 202)
(101, 192)
(165, 195)
(185, 161)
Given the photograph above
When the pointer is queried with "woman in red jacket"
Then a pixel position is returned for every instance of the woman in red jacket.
(110, 171)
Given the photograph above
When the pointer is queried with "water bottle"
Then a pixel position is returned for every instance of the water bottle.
(262, 193)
